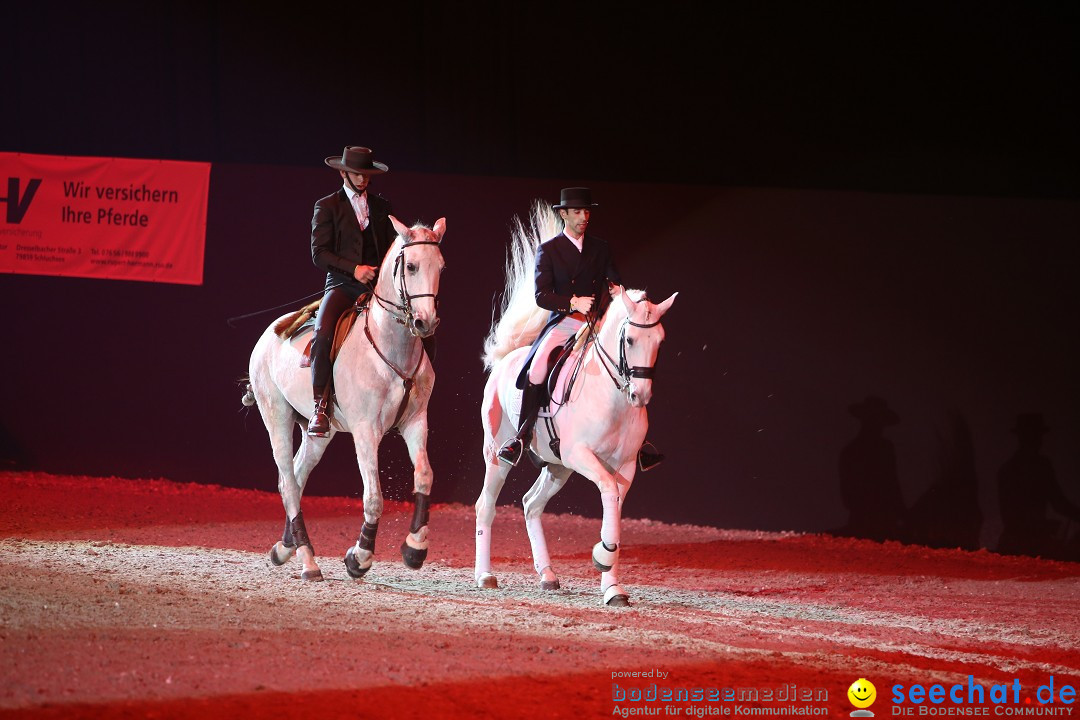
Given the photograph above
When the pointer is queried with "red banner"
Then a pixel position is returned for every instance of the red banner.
(111, 218)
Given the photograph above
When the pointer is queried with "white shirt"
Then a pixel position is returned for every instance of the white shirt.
(359, 204)
(578, 242)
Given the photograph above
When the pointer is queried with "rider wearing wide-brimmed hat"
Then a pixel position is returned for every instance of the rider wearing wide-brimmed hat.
(575, 278)
(351, 232)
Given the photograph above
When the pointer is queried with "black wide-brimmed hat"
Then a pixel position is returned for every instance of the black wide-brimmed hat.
(578, 197)
(874, 410)
(356, 159)
(1030, 424)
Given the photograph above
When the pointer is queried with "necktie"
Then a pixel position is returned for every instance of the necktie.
(361, 207)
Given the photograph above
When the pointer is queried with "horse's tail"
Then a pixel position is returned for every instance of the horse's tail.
(248, 399)
(520, 319)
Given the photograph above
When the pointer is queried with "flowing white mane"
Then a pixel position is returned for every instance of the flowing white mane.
(520, 319)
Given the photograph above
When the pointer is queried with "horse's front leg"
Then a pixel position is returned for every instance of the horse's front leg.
(552, 479)
(414, 548)
(614, 594)
(359, 556)
(605, 553)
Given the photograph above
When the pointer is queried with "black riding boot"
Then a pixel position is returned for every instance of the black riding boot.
(319, 424)
(530, 407)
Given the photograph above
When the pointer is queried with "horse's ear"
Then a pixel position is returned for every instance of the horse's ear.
(399, 227)
(666, 305)
(440, 228)
(628, 303)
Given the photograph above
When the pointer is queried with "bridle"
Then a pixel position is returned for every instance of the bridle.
(624, 371)
(406, 317)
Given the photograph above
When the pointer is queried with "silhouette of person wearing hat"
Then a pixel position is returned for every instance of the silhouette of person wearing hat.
(948, 515)
(575, 278)
(1027, 485)
(350, 233)
(869, 485)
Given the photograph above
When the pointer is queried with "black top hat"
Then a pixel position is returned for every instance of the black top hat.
(874, 409)
(1030, 424)
(356, 159)
(578, 197)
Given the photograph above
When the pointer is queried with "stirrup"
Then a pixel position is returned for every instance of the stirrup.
(316, 428)
(648, 457)
(511, 452)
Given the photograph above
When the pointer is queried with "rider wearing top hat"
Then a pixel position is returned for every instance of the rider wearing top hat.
(351, 232)
(575, 278)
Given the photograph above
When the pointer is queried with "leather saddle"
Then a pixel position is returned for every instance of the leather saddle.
(293, 325)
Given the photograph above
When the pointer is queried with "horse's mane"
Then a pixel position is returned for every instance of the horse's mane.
(520, 318)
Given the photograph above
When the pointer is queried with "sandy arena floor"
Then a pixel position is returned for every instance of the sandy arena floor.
(147, 598)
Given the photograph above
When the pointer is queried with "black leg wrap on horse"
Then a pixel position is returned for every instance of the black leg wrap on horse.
(299, 532)
(287, 536)
(367, 536)
(420, 511)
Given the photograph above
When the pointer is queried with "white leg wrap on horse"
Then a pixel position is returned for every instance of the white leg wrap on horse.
(483, 551)
(541, 558)
(609, 526)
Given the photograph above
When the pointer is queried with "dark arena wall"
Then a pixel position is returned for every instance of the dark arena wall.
(793, 305)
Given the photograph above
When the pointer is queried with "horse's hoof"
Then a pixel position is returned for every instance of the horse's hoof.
(312, 575)
(353, 566)
(413, 557)
(602, 558)
(281, 553)
(615, 596)
(549, 585)
(487, 581)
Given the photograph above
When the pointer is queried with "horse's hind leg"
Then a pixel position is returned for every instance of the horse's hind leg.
(279, 420)
(306, 458)
(495, 473)
(414, 548)
(552, 479)
(494, 478)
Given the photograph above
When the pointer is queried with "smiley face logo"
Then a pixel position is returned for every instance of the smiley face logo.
(862, 693)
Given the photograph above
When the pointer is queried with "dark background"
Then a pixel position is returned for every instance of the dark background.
(850, 199)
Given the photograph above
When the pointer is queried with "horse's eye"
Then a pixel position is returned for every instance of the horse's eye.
(411, 267)
(630, 342)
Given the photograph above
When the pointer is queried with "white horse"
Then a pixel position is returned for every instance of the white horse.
(600, 421)
(382, 379)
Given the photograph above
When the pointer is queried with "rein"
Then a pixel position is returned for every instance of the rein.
(407, 381)
(622, 369)
(626, 372)
(405, 304)
(406, 319)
